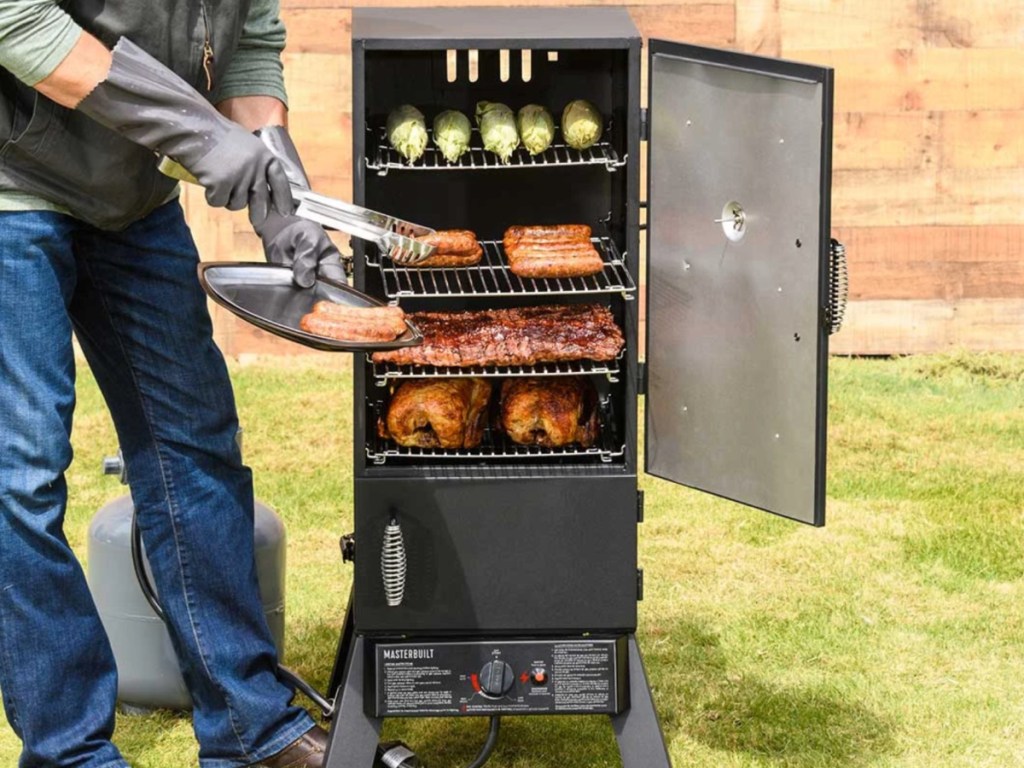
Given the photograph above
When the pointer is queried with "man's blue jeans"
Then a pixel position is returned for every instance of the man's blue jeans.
(134, 301)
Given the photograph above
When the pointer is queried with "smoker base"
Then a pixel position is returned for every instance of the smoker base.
(355, 734)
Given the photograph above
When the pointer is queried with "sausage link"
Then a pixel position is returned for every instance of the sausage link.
(344, 330)
(451, 241)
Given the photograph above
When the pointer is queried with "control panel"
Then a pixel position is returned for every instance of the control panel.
(584, 675)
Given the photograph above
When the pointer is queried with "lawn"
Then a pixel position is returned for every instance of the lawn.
(892, 637)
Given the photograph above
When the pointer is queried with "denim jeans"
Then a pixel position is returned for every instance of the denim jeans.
(135, 303)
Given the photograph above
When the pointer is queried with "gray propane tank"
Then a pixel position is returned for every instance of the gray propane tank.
(147, 667)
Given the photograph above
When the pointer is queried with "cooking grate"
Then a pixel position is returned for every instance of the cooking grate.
(385, 372)
(497, 445)
(491, 277)
(382, 157)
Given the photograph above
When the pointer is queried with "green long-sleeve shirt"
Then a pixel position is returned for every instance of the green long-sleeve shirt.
(37, 35)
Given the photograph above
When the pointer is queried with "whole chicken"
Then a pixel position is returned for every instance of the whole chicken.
(437, 413)
(550, 412)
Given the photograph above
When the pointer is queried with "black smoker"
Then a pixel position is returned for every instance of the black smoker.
(504, 580)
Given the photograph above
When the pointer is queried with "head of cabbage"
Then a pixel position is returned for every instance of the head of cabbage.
(536, 128)
(407, 132)
(451, 134)
(582, 124)
(497, 128)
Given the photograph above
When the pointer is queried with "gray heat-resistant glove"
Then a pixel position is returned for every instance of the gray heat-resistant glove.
(147, 103)
(292, 240)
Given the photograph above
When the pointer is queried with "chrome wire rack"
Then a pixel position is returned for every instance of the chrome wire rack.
(492, 277)
(382, 157)
(497, 445)
(383, 373)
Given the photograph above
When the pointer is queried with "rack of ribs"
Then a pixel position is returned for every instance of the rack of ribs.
(504, 337)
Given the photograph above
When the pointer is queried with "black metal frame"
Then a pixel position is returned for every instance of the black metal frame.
(410, 38)
(355, 734)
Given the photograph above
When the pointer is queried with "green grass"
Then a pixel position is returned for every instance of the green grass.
(892, 637)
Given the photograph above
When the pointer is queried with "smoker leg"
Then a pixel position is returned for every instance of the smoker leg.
(354, 735)
(641, 743)
(344, 646)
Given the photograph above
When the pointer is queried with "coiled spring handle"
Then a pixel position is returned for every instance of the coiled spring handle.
(838, 286)
(393, 564)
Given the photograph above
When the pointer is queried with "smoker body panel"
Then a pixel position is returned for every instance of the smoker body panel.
(738, 247)
(493, 27)
(500, 556)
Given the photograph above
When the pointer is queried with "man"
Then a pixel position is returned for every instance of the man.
(92, 238)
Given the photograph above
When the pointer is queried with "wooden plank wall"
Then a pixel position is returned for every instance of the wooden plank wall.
(928, 187)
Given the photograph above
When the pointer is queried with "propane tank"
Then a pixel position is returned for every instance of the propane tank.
(147, 667)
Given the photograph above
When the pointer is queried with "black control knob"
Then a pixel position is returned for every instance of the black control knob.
(496, 679)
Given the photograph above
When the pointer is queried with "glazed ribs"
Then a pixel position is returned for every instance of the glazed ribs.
(521, 336)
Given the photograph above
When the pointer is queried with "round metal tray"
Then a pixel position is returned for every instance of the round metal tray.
(264, 295)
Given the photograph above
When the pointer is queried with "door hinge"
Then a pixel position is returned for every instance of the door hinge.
(645, 124)
(639, 506)
(639, 584)
(641, 377)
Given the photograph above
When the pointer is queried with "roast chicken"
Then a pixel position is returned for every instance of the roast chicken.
(550, 412)
(437, 413)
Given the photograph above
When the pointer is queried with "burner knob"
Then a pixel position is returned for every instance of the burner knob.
(496, 679)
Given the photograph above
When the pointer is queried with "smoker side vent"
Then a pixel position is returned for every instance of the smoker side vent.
(382, 157)
(491, 277)
(383, 373)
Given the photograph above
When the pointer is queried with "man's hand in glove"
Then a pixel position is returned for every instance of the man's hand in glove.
(147, 103)
(302, 245)
(293, 241)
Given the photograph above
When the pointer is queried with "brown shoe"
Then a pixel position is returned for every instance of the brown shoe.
(305, 752)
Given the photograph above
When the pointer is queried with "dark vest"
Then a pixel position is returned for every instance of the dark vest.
(63, 156)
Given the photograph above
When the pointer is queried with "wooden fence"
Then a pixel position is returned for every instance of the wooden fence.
(928, 184)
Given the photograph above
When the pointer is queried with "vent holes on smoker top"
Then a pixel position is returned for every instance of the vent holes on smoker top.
(504, 65)
(453, 66)
(505, 57)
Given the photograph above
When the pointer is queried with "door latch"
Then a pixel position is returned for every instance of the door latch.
(348, 548)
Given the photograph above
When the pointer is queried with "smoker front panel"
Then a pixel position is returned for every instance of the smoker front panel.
(538, 676)
(546, 554)
(735, 315)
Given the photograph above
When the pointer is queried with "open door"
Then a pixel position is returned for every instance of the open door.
(738, 257)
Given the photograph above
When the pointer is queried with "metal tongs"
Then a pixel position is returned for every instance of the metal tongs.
(395, 237)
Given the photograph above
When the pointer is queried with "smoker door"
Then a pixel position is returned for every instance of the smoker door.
(739, 176)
